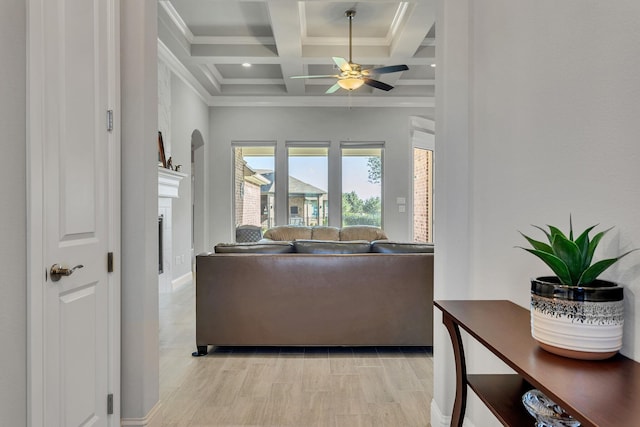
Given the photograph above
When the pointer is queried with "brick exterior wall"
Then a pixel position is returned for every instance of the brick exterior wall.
(238, 180)
(246, 194)
(251, 204)
(422, 195)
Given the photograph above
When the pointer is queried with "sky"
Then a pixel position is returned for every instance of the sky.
(313, 170)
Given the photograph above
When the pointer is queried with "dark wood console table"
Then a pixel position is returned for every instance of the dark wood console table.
(598, 393)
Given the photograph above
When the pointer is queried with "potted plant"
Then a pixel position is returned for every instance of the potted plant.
(574, 313)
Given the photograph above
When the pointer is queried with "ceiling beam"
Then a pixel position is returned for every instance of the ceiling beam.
(285, 23)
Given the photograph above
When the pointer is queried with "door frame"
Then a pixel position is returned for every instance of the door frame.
(36, 214)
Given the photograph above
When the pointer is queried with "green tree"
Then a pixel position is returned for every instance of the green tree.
(352, 203)
(371, 206)
(375, 169)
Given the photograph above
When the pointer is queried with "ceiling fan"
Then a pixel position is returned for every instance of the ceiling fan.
(352, 76)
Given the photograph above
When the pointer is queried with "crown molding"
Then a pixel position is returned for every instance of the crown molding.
(165, 55)
(322, 101)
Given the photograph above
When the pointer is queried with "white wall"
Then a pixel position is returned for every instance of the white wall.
(13, 264)
(188, 113)
(552, 118)
(139, 320)
(390, 125)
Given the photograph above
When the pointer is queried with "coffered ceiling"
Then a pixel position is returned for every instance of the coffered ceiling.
(206, 43)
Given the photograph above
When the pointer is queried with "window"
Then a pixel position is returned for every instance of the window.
(308, 183)
(362, 184)
(254, 185)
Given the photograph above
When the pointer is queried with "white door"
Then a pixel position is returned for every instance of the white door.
(76, 209)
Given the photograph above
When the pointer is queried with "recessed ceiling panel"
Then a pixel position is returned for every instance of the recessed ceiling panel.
(255, 71)
(327, 19)
(225, 18)
(419, 72)
(323, 69)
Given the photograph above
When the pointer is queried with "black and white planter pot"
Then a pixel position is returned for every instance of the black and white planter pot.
(577, 322)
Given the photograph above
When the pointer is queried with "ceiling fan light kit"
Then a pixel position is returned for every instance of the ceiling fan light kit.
(352, 76)
(350, 83)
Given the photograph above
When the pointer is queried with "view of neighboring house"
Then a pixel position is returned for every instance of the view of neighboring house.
(255, 200)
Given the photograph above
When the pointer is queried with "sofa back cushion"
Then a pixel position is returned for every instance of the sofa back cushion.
(325, 233)
(261, 247)
(388, 247)
(362, 232)
(288, 233)
(332, 247)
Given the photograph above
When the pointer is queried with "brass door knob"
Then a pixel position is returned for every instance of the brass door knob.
(57, 271)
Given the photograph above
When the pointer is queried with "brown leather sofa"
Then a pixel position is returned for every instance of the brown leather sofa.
(383, 297)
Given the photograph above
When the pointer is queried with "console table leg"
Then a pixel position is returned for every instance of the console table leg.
(460, 403)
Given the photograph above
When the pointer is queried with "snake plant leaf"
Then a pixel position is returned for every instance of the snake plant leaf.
(544, 231)
(570, 228)
(555, 231)
(588, 257)
(541, 246)
(556, 264)
(596, 269)
(569, 253)
(583, 244)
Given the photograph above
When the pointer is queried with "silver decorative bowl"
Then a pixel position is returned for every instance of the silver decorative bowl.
(546, 412)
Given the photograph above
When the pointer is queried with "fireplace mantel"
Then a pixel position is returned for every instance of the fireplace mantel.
(169, 182)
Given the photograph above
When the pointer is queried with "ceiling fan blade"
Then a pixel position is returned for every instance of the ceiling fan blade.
(378, 84)
(315, 77)
(388, 69)
(342, 63)
(333, 88)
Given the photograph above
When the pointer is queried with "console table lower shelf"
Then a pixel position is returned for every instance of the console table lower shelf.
(597, 393)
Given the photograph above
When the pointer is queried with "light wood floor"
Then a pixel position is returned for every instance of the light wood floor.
(298, 387)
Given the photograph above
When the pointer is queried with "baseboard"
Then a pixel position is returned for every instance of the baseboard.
(153, 419)
(182, 280)
(438, 419)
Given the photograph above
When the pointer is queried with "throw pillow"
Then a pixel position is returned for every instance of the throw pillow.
(362, 232)
(288, 233)
(325, 233)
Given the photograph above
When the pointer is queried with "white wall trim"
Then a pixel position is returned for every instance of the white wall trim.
(182, 280)
(438, 419)
(35, 214)
(115, 226)
(152, 419)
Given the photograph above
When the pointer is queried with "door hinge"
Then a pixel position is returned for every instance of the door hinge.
(110, 262)
(110, 404)
(109, 120)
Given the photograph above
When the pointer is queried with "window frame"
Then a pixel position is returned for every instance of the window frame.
(365, 145)
(252, 144)
(309, 145)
